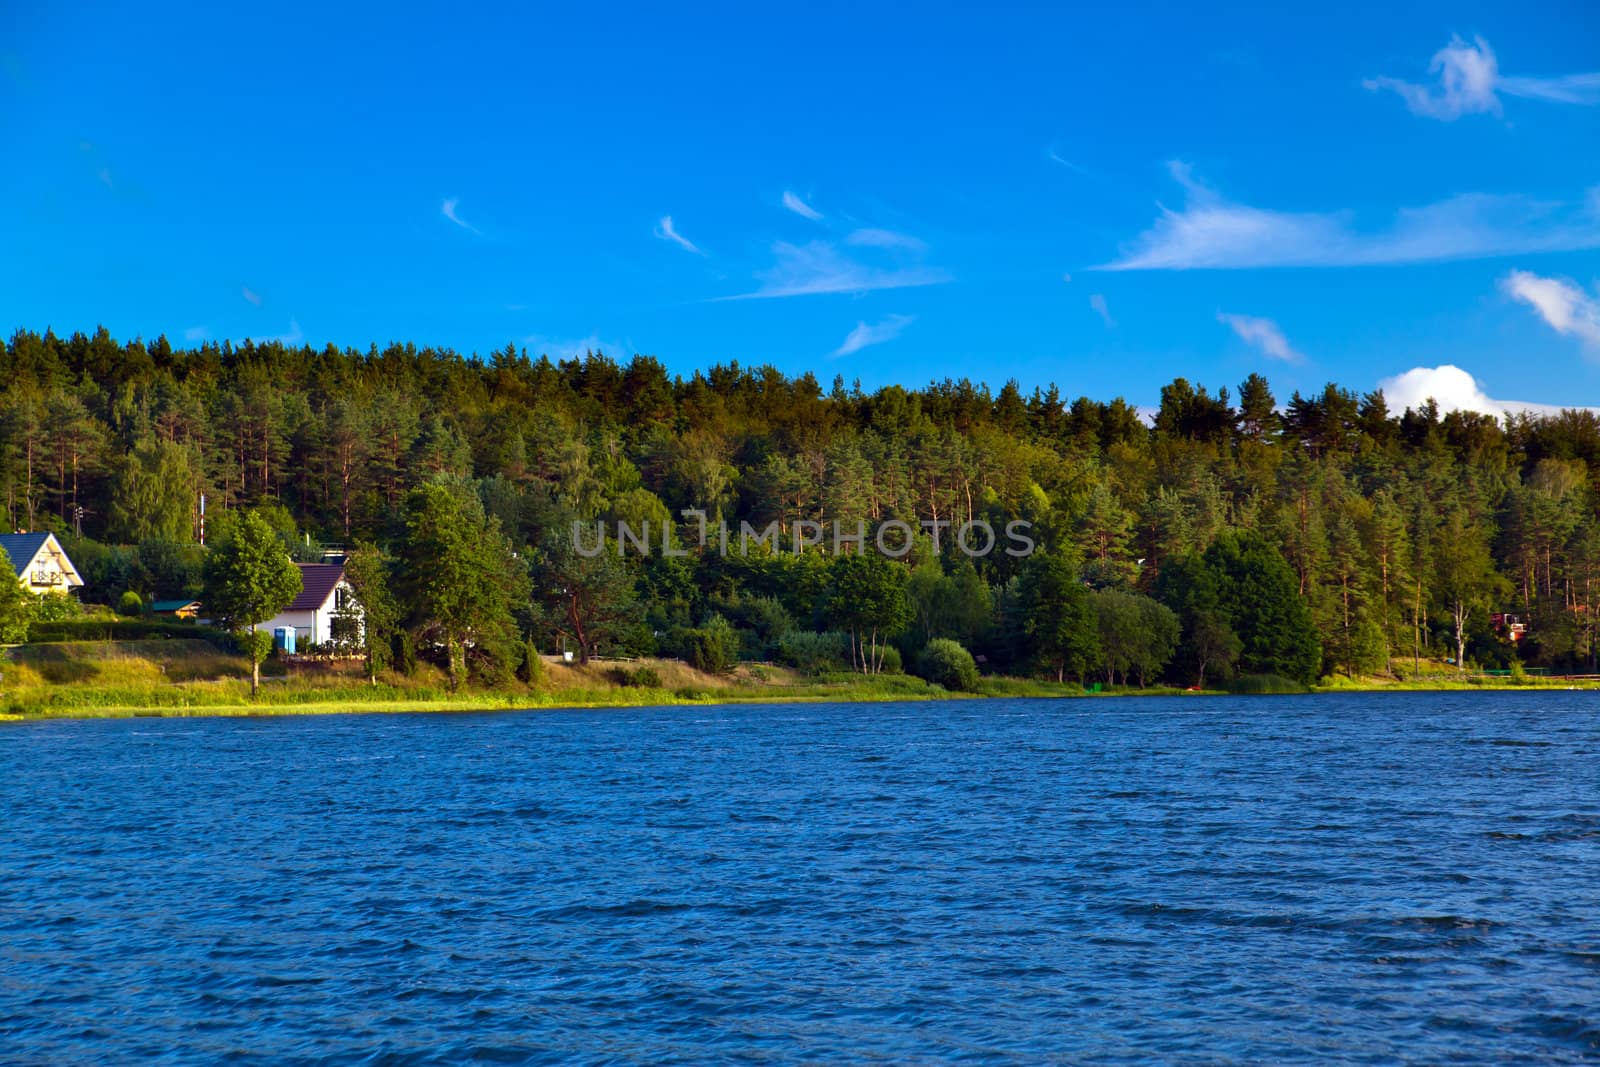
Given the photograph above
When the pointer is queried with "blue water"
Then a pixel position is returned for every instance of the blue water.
(1356, 879)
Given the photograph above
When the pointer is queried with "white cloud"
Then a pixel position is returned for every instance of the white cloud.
(1262, 334)
(871, 237)
(665, 231)
(1211, 233)
(819, 267)
(1562, 304)
(566, 349)
(1454, 390)
(1470, 83)
(251, 295)
(875, 334)
(196, 333)
(448, 210)
(1098, 302)
(800, 207)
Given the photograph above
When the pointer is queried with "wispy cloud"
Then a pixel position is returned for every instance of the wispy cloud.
(1561, 303)
(1261, 334)
(1212, 233)
(250, 295)
(800, 207)
(1056, 157)
(1453, 389)
(872, 237)
(196, 333)
(819, 267)
(1098, 302)
(448, 210)
(1470, 83)
(874, 334)
(665, 231)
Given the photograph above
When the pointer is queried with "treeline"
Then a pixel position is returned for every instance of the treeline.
(1232, 534)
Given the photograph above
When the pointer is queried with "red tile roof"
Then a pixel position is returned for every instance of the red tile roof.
(316, 585)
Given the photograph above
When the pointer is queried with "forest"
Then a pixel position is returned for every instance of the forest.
(1230, 533)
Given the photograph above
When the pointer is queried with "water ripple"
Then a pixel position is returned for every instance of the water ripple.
(1341, 879)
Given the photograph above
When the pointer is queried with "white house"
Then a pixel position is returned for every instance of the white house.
(323, 594)
(39, 562)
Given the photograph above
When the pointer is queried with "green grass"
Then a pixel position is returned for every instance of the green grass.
(170, 677)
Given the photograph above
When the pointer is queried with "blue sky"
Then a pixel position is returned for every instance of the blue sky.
(1101, 198)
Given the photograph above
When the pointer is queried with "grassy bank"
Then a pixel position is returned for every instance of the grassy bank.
(97, 679)
(191, 677)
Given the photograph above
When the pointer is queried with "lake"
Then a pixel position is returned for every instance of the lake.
(1306, 879)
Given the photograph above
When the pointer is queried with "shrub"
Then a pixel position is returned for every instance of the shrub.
(405, 654)
(945, 662)
(129, 605)
(637, 678)
(1264, 685)
(814, 653)
(714, 647)
(56, 607)
(113, 629)
(889, 660)
(531, 670)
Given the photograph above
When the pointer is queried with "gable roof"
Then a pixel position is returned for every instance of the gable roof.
(316, 585)
(22, 547)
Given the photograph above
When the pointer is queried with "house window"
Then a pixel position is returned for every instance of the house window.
(341, 599)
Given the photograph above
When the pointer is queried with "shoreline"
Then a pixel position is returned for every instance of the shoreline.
(490, 702)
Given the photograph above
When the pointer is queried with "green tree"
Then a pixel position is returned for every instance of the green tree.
(1214, 645)
(1137, 634)
(14, 604)
(371, 579)
(867, 599)
(462, 580)
(249, 578)
(154, 493)
(1058, 620)
(1257, 593)
(1464, 574)
(588, 600)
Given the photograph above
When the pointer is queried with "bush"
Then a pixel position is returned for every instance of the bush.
(111, 629)
(531, 670)
(761, 622)
(814, 653)
(945, 662)
(637, 678)
(1265, 685)
(57, 607)
(714, 647)
(889, 661)
(129, 605)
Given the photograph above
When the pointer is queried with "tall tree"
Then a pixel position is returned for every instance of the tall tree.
(1058, 619)
(462, 579)
(249, 578)
(867, 599)
(371, 578)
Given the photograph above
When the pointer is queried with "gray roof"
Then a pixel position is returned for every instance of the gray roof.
(22, 548)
